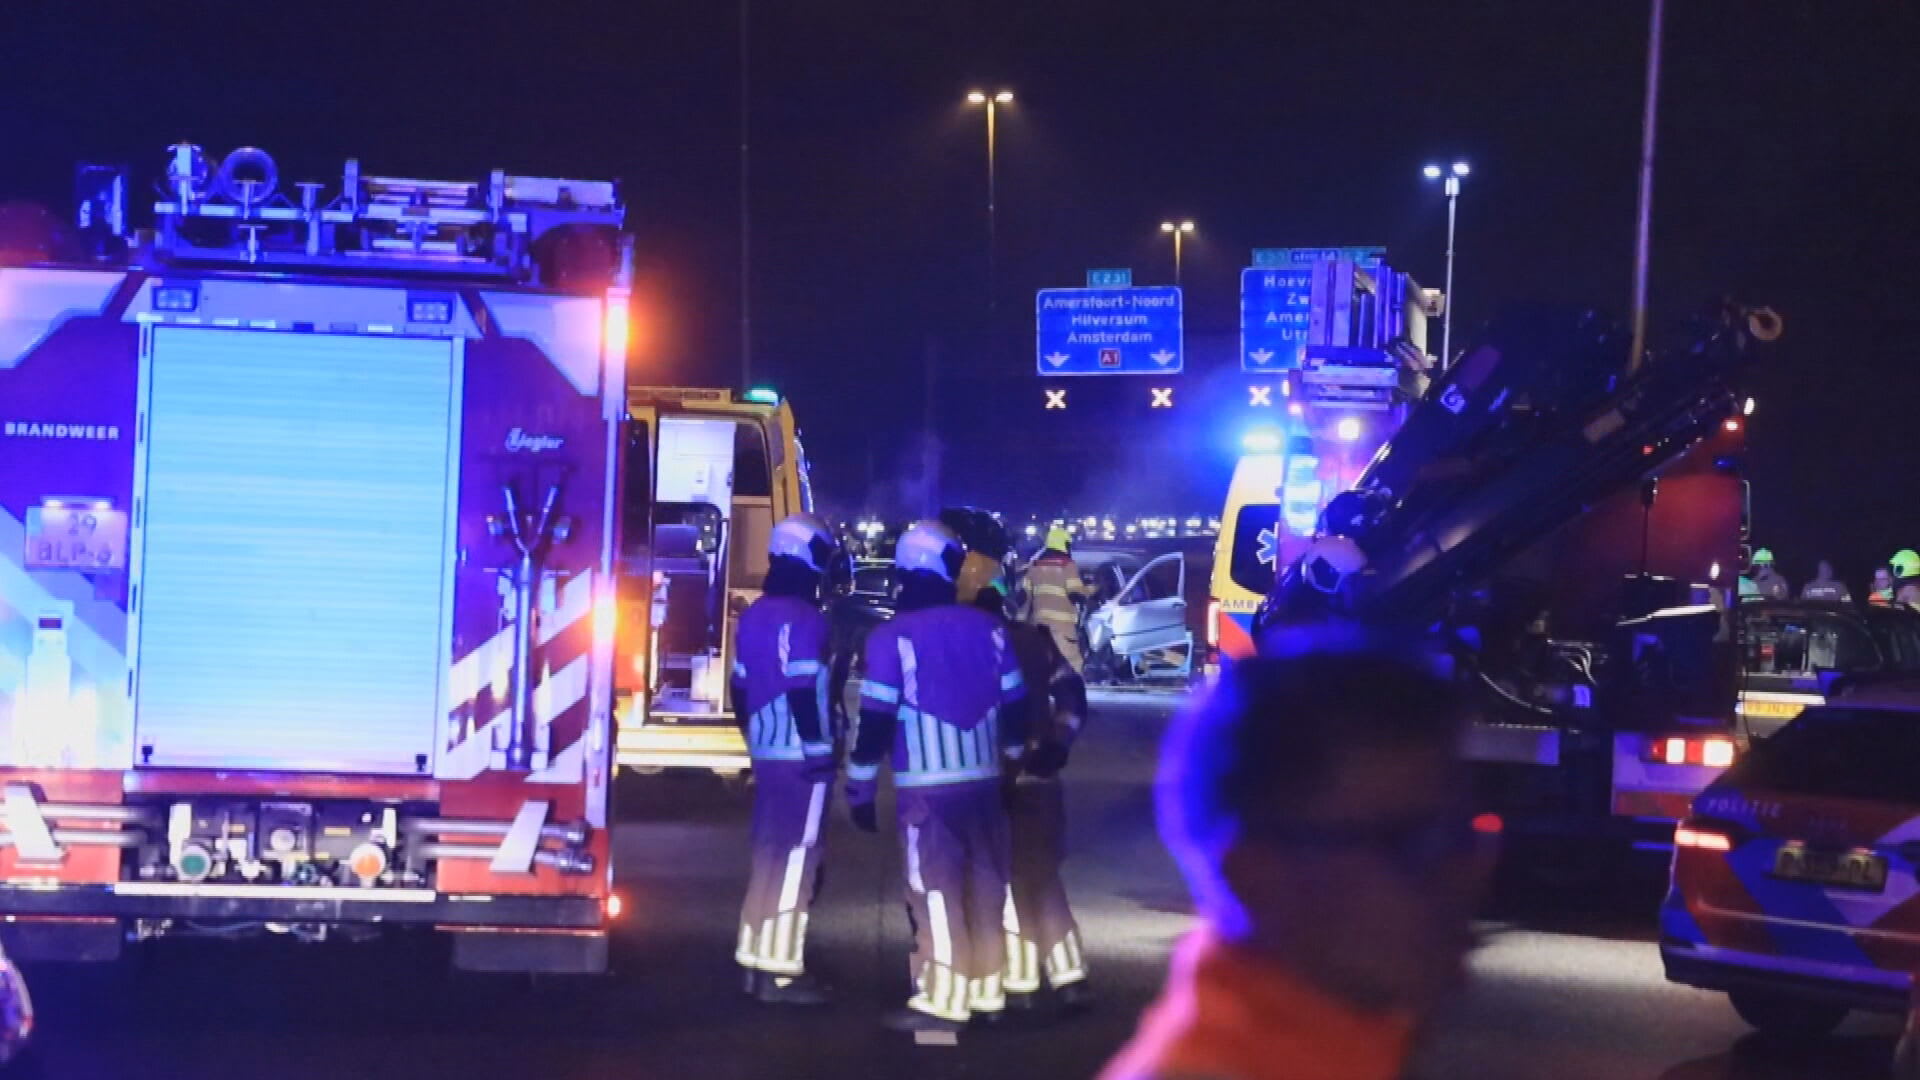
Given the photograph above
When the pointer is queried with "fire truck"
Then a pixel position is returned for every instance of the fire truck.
(310, 525)
(1572, 525)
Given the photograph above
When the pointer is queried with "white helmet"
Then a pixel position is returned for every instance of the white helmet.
(930, 546)
(803, 537)
(1330, 561)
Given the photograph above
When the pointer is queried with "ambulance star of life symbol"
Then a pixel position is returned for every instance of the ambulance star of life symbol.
(1259, 395)
(1269, 548)
(1056, 399)
(1163, 397)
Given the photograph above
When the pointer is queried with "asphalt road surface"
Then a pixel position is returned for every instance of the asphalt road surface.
(1564, 990)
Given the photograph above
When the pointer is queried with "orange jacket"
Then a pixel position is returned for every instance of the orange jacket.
(1225, 1015)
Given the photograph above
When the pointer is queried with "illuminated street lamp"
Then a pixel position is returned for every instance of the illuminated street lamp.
(1452, 177)
(992, 103)
(1179, 233)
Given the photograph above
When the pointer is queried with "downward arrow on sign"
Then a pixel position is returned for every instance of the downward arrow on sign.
(1057, 359)
(1163, 357)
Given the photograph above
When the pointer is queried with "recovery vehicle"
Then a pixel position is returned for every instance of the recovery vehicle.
(1572, 526)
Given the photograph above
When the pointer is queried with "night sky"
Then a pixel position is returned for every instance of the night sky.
(1786, 176)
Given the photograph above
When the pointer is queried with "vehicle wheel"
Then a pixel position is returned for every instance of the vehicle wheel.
(1786, 1019)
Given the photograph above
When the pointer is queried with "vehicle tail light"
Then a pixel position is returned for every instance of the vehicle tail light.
(1489, 824)
(1702, 837)
(615, 905)
(1213, 624)
(1713, 751)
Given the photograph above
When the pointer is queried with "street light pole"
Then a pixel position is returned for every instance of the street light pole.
(1643, 220)
(1179, 233)
(1452, 177)
(746, 209)
(992, 102)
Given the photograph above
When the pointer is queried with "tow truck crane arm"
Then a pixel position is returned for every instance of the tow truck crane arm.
(1536, 423)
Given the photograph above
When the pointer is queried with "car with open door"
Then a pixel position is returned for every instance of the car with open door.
(1141, 632)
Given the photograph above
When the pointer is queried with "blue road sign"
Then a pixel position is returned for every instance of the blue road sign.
(1275, 303)
(1109, 331)
(1361, 256)
(1116, 278)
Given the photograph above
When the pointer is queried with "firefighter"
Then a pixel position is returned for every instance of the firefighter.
(1767, 579)
(1043, 939)
(780, 690)
(944, 700)
(1906, 577)
(1054, 588)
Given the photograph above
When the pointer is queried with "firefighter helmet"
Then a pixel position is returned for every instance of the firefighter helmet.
(1764, 557)
(1905, 563)
(803, 537)
(932, 547)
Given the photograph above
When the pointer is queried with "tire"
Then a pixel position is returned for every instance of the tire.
(1785, 1018)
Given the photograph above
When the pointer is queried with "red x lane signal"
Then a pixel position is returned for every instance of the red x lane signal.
(1056, 399)
(1162, 397)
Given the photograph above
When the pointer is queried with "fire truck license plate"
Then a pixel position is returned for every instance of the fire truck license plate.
(79, 536)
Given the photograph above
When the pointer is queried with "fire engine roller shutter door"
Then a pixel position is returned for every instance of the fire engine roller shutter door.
(291, 611)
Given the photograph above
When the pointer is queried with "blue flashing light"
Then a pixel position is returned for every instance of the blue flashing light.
(1301, 494)
(1262, 440)
(763, 395)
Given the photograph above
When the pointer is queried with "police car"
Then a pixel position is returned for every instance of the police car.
(1795, 876)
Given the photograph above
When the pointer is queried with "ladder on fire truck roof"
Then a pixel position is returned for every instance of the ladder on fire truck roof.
(504, 227)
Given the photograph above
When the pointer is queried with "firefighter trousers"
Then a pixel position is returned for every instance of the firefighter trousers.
(1042, 936)
(789, 816)
(1065, 629)
(958, 857)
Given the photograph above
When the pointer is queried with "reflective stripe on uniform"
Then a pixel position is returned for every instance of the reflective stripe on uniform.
(940, 753)
(914, 881)
(816, 808)
(1023, 957)
(772, 734)
(1065, 963)
(937, 926)
(947, 776)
